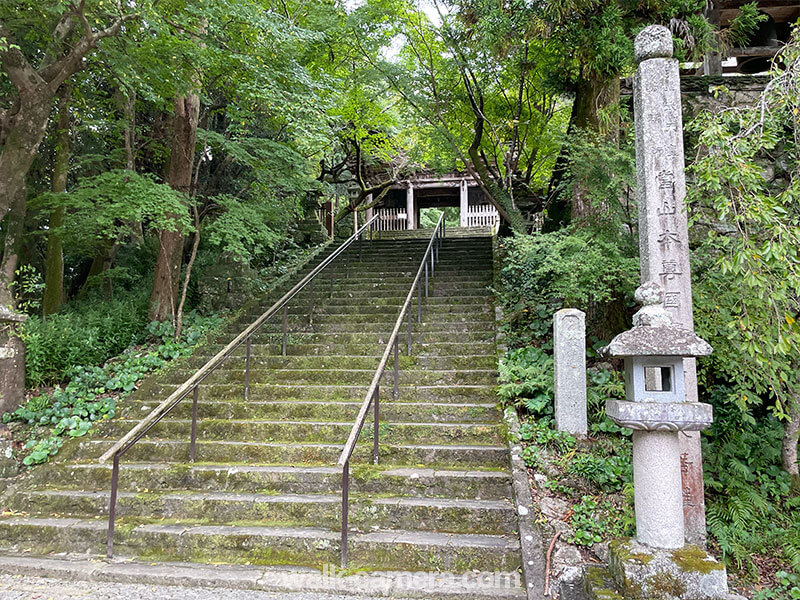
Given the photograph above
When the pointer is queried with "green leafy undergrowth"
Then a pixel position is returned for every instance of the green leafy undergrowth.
(93, 391)
(86, 332)
(788, 588)
(751, 512)
(545, 272)
(595, 477)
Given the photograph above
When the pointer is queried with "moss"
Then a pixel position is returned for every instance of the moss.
(366, 472)
(692, 558)
(599, 586)
(662, 585)
(621, 548)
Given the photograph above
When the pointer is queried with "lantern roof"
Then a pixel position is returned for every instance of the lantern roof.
(653, 333)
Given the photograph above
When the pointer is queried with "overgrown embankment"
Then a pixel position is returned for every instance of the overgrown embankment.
(586, 487)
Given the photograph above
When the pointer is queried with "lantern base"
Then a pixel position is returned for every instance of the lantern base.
(637, 572)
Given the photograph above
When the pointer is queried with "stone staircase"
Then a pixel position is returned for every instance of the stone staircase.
(264, 488)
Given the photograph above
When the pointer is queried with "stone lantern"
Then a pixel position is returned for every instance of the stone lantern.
(657, 411)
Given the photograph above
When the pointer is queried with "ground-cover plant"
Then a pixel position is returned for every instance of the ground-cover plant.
(594, 477)
(93, 391)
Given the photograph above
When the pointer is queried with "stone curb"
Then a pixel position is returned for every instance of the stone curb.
(530, 536)
(423, 585)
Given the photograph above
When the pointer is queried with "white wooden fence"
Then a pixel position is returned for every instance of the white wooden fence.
(482, 215)
(390, 219)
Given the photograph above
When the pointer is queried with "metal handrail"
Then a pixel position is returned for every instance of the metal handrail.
(371, 399)
(193, 383)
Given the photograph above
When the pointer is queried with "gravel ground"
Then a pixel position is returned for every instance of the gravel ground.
(17, 587)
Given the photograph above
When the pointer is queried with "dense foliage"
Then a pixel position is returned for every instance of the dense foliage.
(94, 390)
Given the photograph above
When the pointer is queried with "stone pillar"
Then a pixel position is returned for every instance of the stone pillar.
(371, 210)
(657, 489)
(464, 203)
(569, 355)
(12, 361)
(663, 229)
(411, 221)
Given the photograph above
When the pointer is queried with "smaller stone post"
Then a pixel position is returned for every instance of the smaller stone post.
(569, 356)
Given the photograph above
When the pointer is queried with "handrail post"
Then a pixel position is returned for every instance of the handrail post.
(347, 263)
(330, 294)
(284, 328)
(194, 422)
(112, 507)
(396, 367)
(246, 368)
(409, 332)
(419, 302)
(426, 279)
(359, 246)
(375, 426)
(311, 303)
(345, 506)
(432, 253)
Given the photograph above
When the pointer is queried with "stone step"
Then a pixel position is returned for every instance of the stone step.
(420, 349)
(273, 361)
(254, 544)
(322, 313)
(195, 579)
(326, 432)
(346, 308)
(452, 303)
(286, 453)
(372, 324)
(231, 372)
(407, 265)
(329, 392)
(413, 412)
(359, 338)
(368, 479)
(446, 515)
(443, 287)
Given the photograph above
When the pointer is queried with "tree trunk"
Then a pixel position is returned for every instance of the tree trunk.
(102, 262)
(12, 362)
(592, 110)
(791, 435)
(54, 260)
(168, 264)
(595, 110)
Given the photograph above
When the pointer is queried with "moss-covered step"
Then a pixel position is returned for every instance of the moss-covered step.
(306, 510)
(229, 372)
(293, 409)
(296, 347)
(319, 431)
(276, 361)
(277, 479)
(382, 326)
(259, 391)
(306, 546)
(291, 453)
(360, 338)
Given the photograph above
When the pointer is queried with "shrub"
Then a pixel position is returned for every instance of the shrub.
(545, 272)
(86, 333)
